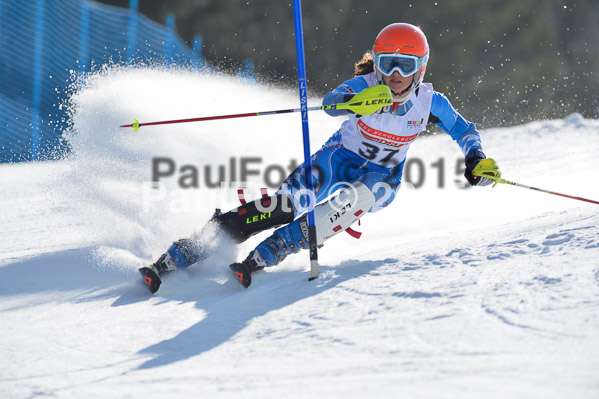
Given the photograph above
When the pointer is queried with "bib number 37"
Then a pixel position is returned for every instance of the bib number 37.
(372, 152)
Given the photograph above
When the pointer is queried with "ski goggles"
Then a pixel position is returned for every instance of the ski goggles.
(406, 65)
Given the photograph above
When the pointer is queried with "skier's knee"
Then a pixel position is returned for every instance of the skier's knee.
(330, 218)
(256, 216)
(342, 211)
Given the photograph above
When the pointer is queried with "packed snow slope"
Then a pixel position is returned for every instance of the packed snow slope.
(450, 292)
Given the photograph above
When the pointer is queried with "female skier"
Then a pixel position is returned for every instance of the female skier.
(363, 161)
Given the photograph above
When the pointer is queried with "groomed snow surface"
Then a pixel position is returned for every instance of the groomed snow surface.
(451, 292)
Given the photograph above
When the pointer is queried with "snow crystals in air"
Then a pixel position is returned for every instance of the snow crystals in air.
(450, 292)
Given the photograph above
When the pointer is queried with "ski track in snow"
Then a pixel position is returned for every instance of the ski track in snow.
(450, 293)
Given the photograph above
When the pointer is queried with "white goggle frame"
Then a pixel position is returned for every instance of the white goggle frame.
(418, 63)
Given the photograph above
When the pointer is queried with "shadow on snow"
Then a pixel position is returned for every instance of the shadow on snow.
(230, 308)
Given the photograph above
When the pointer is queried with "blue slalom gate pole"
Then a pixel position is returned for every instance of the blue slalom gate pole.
(301, 72)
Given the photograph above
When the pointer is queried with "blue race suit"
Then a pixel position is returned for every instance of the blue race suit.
(369, 150)
(372, 149)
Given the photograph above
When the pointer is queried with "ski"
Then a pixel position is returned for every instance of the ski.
(242, 274)
(150, 278)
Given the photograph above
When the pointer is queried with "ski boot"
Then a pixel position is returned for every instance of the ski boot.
(174, 258)
(272, 251)
(151, 274)
(243, 271)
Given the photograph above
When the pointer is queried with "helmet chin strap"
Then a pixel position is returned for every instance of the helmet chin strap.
(400, 98)
(403, 92)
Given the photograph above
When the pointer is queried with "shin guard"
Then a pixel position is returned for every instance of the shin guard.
(256, 216)
(331, 218)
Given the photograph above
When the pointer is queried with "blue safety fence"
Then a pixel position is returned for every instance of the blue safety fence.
(43, 41)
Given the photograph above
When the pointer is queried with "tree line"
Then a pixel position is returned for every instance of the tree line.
(501, 62)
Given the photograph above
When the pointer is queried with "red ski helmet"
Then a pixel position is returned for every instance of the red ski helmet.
(402, 47)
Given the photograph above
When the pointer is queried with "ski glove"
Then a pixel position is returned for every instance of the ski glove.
(473, 157)
(384, 110)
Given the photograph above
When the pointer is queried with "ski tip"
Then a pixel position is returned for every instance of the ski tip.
(150, 279)
(242, 274)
